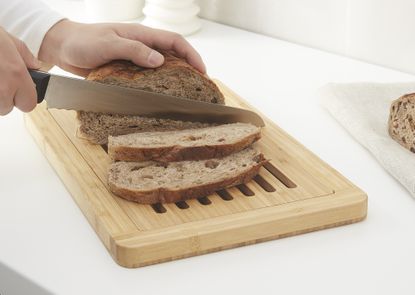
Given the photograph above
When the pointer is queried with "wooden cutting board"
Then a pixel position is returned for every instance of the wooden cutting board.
(294, 193)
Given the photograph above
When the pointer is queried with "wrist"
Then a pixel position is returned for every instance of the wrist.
(51, 49)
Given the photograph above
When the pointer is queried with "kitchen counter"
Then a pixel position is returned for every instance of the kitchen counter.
(46, 239)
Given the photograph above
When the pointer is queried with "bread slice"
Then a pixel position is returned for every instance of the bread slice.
(175, 77)
(191, 144)
(96, 127)
(401, 124)
(152, 182)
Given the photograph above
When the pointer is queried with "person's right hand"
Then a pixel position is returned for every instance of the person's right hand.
(16, 85)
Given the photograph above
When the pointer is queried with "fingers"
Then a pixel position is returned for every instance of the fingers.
(21, 88)
(135, 51)
(6, 100)
(25, 98)
(162, 40)
(16, 86)
(181, 46)
(29, 59)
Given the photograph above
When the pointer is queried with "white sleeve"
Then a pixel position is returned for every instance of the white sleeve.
(28, 20)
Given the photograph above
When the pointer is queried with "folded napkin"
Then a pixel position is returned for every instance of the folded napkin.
(363, 109)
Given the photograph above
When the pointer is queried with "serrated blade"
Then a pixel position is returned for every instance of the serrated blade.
(76, 94)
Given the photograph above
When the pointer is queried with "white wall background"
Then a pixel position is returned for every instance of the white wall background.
(378, 31)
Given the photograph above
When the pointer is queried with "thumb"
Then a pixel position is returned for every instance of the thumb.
(134, 51)
(28, 58)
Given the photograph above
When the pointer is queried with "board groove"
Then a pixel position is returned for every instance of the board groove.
(295, 192)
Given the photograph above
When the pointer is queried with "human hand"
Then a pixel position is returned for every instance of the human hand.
(78, 48)
(16, 85)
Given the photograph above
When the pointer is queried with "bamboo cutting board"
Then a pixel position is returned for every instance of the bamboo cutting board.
(294, 193)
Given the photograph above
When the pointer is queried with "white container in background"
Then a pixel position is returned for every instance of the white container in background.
(114, 10)
(178, 16)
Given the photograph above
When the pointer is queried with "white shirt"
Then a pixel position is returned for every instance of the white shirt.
(28, 20)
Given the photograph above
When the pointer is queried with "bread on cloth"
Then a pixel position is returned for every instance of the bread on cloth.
(401, 124)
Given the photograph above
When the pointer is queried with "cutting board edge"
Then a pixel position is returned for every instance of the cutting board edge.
(144, 248)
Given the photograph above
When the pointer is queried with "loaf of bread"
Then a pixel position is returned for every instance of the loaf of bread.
(192, 144)
(162, 160)
(401, 124)
(175, 77)
(153, 182)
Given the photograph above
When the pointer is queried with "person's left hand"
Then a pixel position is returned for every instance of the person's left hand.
(78, 48)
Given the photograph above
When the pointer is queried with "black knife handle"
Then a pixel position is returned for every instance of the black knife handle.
(41, 79)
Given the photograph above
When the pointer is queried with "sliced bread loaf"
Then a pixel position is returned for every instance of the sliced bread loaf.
(175, 77)
(152, 182)
(191, 144)
(401, 124)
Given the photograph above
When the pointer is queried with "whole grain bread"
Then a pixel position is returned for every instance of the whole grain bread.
(401, 124)
(96, 127)
(153, 182)
(191, 144)
(175, 77)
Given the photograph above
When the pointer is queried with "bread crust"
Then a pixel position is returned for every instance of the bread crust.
(401, 125)
(163, 195)
(125, 73)
(180, 153)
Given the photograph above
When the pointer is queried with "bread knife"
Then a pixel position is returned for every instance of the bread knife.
(62, 92)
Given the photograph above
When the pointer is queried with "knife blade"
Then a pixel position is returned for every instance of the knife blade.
(76, 94)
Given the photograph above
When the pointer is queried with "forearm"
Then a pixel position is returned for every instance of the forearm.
(28, 20)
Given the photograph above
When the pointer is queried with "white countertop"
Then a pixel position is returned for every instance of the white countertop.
(45, 237)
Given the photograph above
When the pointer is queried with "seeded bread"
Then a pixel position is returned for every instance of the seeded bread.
(191, 144)
(175, 77)
(153, 182)
(401, 125)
